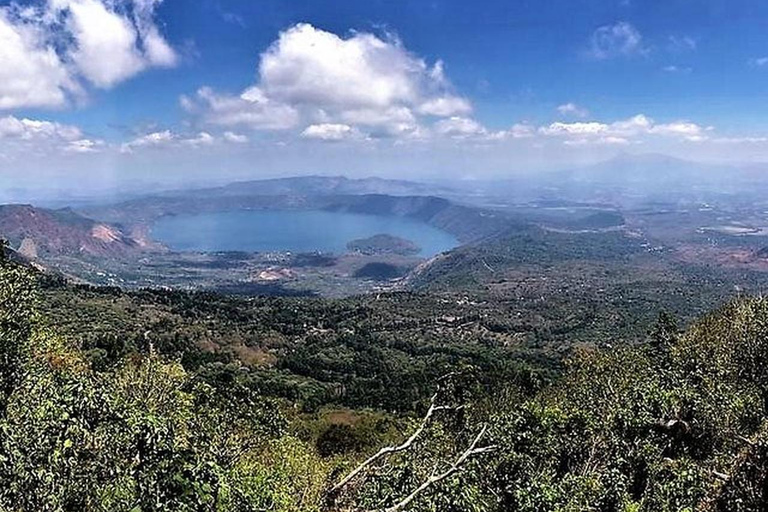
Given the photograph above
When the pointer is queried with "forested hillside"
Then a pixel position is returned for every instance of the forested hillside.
(151, 423)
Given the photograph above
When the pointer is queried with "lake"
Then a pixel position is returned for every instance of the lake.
(295, 231)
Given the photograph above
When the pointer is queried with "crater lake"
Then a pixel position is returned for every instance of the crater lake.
(290, 230)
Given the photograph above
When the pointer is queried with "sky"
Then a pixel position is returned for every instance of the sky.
(119, 94)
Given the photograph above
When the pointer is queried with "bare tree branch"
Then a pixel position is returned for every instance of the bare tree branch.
(434, 478)
(433, 408)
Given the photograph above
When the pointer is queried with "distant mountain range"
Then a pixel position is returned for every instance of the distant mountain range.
(654, 172)
(624, 180)
(316, 186)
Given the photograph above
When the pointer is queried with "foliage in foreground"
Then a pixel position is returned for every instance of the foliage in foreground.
(144, 435)
(676, 424)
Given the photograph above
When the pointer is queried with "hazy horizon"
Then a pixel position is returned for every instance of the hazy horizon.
(100, 95)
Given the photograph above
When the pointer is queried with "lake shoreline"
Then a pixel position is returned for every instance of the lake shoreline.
(302, 231)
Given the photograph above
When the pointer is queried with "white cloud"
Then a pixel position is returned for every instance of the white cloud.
(201, 139)
(84, 146)
(376, 117)
(48, 50)
(597, 141)
(445, 106)
(618, 40)
(235, 137)
(307, 65)
(105, 49)
(759, 62)
(168, 139)
(559, 128)
(252, 109)
(313, 77)
(154, 139)
(521, 131)
(30, 129)
(460, 127)
(379, 123)
(573, 133)
(631, 127)
(571, 109)
(330, 132)
(635, 129)
(682, 128)
(156, 49)
(622, 131)
(31, 74)
(33, 136)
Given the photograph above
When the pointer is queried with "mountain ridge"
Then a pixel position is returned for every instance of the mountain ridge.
(34, 232)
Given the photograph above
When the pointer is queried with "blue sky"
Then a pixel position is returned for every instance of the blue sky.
(97, 93)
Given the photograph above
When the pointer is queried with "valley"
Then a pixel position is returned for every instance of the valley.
(335, 319)
(230, 239)
(608, 268)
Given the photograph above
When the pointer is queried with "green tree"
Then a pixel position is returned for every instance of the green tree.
(17, 299)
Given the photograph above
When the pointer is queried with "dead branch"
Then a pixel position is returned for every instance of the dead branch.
(433, 408)
(434, 478)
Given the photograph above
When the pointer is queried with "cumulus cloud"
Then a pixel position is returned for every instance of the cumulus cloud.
(165, 139)
(608, 140)
(460, 127)
(521, 131)
(687, 129)
(201, 139)
(571, 109)
(559, 128)
(31, 129)
(620, 132)
(313, 77)
(445, 106)
(31, 74)
(40, 136)
(618, 40)
(331, 132)
(84, 146)
(48, 52)
(154, 139)
(105, 50)
(251, 109)
(312, 66)
(157, 51)
(235, 137)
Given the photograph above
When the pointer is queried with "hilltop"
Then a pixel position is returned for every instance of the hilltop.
(384, 244)
(37, 233)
